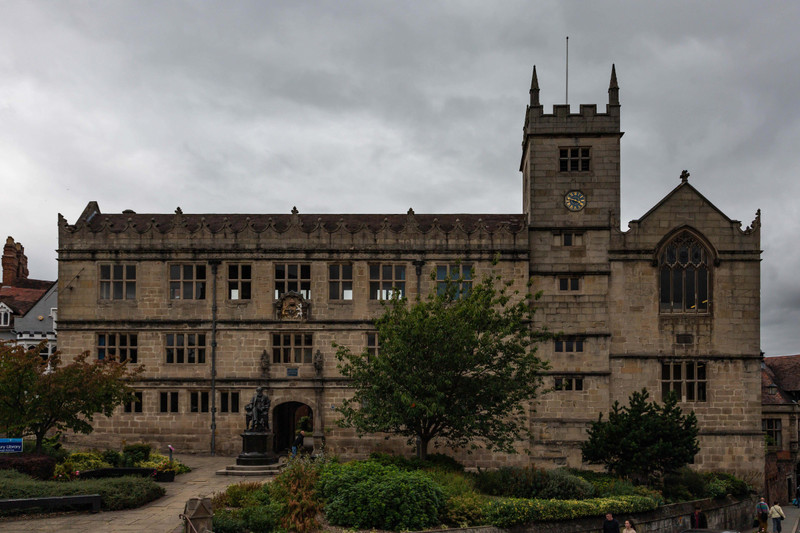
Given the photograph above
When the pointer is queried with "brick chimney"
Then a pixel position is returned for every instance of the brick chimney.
(15, 263)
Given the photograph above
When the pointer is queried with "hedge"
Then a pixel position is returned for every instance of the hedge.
(508, 512)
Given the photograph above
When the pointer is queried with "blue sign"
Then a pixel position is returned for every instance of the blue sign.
(291, 372)
(10, 445)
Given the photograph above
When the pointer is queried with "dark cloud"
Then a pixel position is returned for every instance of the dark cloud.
(346, 106)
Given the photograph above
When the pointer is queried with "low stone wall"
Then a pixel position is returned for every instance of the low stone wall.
(721, 513)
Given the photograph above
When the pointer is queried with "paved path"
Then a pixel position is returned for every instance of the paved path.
(790, 525)
(160, 516)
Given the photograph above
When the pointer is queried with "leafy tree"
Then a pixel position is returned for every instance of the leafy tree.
(457, 366)
(644, 440)
(38, 394)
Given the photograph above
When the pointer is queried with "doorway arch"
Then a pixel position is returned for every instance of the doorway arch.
(286, 421)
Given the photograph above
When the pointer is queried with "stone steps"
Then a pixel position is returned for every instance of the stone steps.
(251, 470)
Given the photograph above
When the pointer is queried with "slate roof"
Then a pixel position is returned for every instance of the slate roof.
(23, 294)
(785, 370)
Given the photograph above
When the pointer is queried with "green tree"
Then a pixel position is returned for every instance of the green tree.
(458, 366)
(38, 393)
(644, 440)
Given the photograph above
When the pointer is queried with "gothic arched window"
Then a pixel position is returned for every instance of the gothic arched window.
(685, 275)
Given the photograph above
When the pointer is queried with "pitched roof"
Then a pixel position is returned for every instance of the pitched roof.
(785, 370)
(23, 294)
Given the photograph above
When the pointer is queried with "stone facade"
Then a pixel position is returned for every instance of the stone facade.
(780, 392)
(260, 299)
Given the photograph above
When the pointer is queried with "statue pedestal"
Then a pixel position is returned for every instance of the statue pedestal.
(256, 449)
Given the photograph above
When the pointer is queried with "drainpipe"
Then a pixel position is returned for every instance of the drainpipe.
(418, 264)
(214, 264)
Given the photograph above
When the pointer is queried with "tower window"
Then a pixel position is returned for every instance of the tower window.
(569, 283)
(684, 276)
(686, 379)
(574, 159)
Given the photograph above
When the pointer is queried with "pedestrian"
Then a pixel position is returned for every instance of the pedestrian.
(776, 513)
(298, 441)
(628, 527)
(698, 519)
(610, 524)
(762, 512)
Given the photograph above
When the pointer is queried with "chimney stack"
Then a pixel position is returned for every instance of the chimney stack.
(15, 263)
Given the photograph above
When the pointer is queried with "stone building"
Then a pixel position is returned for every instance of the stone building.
(780, 392)
(238, 301)
(27, 306)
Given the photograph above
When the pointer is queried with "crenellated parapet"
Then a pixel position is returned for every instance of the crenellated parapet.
(294, 231)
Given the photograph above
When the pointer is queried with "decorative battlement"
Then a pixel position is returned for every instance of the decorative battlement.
(129, 230)
(563, 122)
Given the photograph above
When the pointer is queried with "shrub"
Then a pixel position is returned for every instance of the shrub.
(434, 461)
(40, 466)
(515, 482)
(562, 485)
(465, 510)
(112, 457)
(294, 495)
(135, 453)
(452, 483)
(509, 512)
(242, 494)
(87, 461)
(719, 484)
(117, 493)
(262, 518)
(157, 461)
(228, 521)
(684, 485)
(371, 495)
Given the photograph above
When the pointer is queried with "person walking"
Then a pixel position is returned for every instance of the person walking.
(698, 519)
(628, 527)
(298, 442)
(776, 513)
(610, 524)
(762, 512)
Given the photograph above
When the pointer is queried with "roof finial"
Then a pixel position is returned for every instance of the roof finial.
(685, 176)
(294, 210)
(534, 88)
(613, 88)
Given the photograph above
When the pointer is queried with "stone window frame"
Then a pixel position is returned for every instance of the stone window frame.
(454, 272)
(228, 400)
(568, 344)
(772, 428)
(569, 239)
(287, 281)
(569, 283)
(187, 281)
(199, 401)
(689, 379)
(386, 279)
(181, 346)
(240, 281)
(575, 159)
(693, 273)
(122, 346)
(135, 405)
(568, 383)
(116, 281)
(340, 283)
(292, 347)
(169, 402)
(373, 347)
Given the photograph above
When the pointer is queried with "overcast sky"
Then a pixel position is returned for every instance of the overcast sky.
(375, 107)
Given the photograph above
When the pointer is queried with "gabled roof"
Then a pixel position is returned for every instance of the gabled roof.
(673, 192)
(785, 370)
(23, 294)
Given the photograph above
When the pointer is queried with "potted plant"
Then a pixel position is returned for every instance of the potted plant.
(165, 471)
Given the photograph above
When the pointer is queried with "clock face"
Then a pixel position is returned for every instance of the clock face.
(575, 200)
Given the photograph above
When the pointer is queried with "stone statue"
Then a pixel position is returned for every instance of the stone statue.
(257, 412)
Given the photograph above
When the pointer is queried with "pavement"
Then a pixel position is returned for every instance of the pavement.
(159, 516)
(790, 525)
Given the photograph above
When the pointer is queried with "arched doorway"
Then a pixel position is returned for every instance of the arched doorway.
(287, 418)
